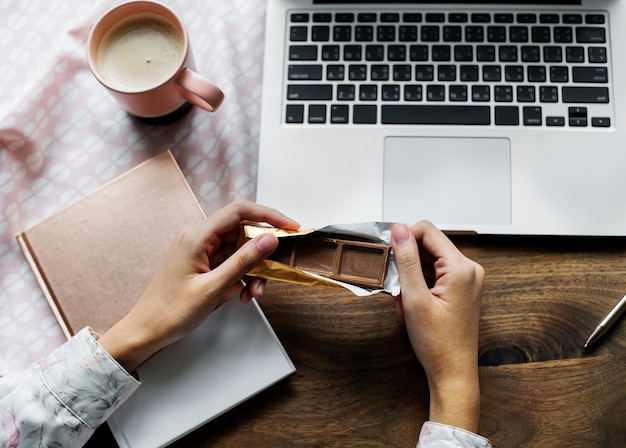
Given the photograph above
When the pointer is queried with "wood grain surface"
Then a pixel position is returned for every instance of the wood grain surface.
(358, 382)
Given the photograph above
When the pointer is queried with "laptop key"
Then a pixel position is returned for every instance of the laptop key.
(527, 18)
(298, 33)
(322, 17)
(402, 72)
(303, 53)
(541, 34)
(418, 52)
(435, 17)
(367, 17)
(469, 73)
(563, 34)
(424, 72)
(496, 34)
(585, 95)
(594, 19)
(407, 33)
(590, 74)
(601, 122)
(503, 18)
(572, 18)
(364, 33)
(374, 52)
(548, 94)
(410, 17)
(507, 115)
(435, 114)
(413, 92)
(555, 121)
(590, 35)
(458, 93)
(379, 72)
(474, 34)
(304, 72)
(559, 74)
(430, 33)
(320, 33)
(549, 18)
(532, 116)
(310, 92)
(335, 72)
(578, 116)
(514, 73)
(346, 92)
(481, 18)
(344, 17)
(299, 17)
(396, 52)
(330, 52)
(390, 17)
(390, 92)
(357, 72)
(536, 73)
(526, 94)
(486, 53)
(352, 52)
(317, 113)
(436, 92)
(368, 92)
(295, 113)
(552, 54)
(364, 114)
(342, 33)
(481, 93)
(575, 54)
(386, 33)
(598, 55)
(503, 94)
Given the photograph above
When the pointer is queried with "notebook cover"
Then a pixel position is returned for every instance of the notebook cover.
(95, 258)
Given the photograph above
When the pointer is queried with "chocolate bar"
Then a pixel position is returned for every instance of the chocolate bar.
(357, 262)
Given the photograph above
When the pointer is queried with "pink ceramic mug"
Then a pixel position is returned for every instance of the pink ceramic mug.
(140, 52)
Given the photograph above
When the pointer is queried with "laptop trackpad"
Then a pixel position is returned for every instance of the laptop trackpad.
(459, 181)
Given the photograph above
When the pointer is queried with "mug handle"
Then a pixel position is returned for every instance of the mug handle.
(200, 91)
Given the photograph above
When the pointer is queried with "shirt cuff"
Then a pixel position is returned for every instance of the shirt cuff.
(86, 379)
(438, 435)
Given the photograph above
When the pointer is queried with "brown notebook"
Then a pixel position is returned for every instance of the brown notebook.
(94, 259)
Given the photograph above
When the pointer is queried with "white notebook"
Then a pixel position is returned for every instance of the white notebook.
(232, 356)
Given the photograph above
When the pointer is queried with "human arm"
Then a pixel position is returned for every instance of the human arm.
(63, 398)
(202, 270)
(440, 301)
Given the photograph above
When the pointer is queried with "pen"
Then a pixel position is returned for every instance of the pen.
(607, 322)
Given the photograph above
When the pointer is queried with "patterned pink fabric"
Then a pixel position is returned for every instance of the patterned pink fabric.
(62, 135)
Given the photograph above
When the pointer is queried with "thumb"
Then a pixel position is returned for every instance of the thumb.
(250, 254)
(235, 267)
(406, 255)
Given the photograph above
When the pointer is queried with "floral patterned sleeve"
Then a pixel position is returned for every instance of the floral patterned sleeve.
(63, 398)
(438, 435)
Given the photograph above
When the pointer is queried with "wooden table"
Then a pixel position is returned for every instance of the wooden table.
(358, 382)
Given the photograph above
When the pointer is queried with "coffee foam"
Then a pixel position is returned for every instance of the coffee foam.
(140, 52)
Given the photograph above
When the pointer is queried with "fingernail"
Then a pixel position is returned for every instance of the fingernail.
(400, 233)
(266, 243)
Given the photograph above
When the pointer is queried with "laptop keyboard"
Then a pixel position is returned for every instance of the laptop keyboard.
(441, 68)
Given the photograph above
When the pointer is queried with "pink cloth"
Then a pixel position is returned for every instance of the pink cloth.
(62, 135)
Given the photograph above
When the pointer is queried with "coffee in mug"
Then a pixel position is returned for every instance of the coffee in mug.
(140, 52)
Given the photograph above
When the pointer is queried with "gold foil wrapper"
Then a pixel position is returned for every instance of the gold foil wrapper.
(374, 232)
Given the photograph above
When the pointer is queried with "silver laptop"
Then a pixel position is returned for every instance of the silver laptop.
(499, 118)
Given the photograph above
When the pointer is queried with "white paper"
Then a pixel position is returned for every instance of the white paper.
(232, 356)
